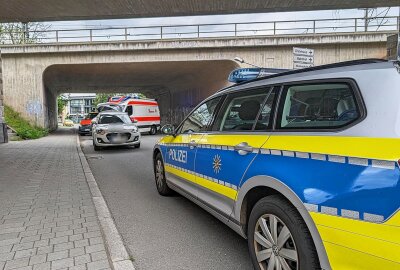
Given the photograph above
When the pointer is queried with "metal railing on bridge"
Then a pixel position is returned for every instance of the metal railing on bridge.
(200, 31)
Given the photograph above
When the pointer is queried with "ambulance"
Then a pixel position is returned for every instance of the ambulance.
(142, 111)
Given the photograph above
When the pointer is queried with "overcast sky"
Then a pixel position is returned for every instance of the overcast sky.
(282, 16)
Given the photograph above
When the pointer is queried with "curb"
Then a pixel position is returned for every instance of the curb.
(118, 255)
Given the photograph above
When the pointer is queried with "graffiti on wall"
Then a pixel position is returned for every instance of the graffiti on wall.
(34, 107)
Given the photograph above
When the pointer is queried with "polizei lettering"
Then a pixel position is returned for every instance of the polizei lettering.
(178, 155)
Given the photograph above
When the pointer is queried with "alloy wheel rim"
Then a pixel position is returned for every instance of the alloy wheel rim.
(274, 245)
(159, 173)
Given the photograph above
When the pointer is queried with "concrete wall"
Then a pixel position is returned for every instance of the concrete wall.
(27, 91)
(3, 131)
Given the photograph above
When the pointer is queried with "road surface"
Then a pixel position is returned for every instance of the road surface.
(161, 232)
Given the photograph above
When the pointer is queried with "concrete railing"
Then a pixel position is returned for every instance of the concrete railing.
(199, 31)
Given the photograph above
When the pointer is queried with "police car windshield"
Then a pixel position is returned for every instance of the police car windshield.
(114, 119)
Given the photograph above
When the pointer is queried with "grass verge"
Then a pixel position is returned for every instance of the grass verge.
(23, 128)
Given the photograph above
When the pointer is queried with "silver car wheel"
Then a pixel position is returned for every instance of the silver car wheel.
(159, 174)
(274, 245)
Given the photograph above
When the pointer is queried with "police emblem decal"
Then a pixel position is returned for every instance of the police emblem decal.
(217, 164)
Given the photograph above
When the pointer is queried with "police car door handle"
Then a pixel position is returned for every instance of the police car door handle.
(192, 144)
(243, 148)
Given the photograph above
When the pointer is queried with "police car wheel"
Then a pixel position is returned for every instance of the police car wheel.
(278, 237)
(159, 173)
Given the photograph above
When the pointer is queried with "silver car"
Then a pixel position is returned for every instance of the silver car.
(112, 128)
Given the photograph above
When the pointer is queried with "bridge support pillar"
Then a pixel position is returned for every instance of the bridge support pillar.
(3, 127)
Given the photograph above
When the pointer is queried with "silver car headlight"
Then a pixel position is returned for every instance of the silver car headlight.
(131, 128)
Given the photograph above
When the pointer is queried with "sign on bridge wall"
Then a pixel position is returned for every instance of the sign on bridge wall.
(303, 58)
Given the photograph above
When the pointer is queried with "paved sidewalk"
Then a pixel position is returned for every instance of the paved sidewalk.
(47, 217)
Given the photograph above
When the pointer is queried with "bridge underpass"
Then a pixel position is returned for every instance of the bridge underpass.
(176, 85)
(187, 70)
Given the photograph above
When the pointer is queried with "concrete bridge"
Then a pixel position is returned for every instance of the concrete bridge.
(179, 73)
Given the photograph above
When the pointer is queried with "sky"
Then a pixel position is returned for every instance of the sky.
(174, 30)
(280, 16)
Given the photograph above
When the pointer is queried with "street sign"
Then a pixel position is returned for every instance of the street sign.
(301, 65)
(303, 51)
(303, 58)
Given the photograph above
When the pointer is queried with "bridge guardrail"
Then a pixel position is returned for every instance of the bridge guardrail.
(199, 31)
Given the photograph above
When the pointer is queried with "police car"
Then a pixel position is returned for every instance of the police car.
(304, 164)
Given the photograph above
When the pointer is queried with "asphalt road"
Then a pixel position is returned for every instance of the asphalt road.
(161, 232)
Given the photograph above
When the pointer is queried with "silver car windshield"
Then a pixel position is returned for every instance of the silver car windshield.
(114, 119)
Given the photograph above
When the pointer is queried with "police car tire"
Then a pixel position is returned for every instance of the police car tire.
(164, 189)
(281, 208)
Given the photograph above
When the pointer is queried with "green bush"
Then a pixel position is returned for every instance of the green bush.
(23, 128)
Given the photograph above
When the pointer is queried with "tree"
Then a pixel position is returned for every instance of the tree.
(100, 98)
(22, 33)
(61, 103)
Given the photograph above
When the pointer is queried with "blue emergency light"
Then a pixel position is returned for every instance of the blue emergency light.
(246, 74)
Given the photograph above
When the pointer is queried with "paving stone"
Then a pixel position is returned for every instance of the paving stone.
(6, 256)
(81, 243)
(25, 253)
(47, 236)
(76, 252)
(24, 268)
(42, 266)
(7, 236)
(41, 243)
(8, 242)
(83, 259)
(94, 248)
(103, 264)
(38, 259)
(64, 263)
(63, 246)
(4, 249)
(30, 238)
(58, 240)
(23, 246)
(18, 263)
(81, 230)
(78, 267)
(100, 255)
(44, 250)
(57, 255)
(28, 233)
(64, 233)
(76, 237)
(96, 240)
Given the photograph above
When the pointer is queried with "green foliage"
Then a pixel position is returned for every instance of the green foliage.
(103, 97)
(23, 128)
(61, 103)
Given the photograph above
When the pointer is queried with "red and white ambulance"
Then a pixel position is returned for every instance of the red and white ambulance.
(143, 111)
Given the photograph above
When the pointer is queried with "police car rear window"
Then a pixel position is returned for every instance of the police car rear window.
(317, 106)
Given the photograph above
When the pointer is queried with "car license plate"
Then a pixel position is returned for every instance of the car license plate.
(118, 139)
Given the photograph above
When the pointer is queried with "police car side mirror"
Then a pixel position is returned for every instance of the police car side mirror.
(94, 121)
(168, 130)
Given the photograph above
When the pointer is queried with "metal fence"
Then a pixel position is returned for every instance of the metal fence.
(199, 31)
